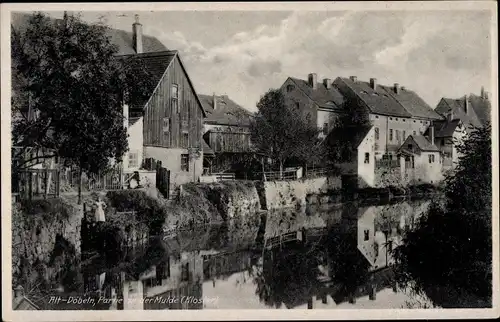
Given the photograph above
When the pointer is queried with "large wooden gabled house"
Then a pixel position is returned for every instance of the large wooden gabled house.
(168, 125)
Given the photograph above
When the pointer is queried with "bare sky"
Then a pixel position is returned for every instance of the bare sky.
(243, 54)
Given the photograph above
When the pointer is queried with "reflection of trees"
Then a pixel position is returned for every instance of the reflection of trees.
(288, 277)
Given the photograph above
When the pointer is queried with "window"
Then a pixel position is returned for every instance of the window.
(404, 135)
(390, 135)
(377, 134)
(376, 116)
(414, 121)
(175, 91)
(390, 118)
(325, 128)
(166, 124)
(290, 88)
(133, 159)
(404, 120)
(175, 99)
(442, 141)
(184, 162)
(185, 272)
(397, 119)
(414, 132)
(367, 157)
(367, 234)
(297, 105)
(185, 139)
(397, 135)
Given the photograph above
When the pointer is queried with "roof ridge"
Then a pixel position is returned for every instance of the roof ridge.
(153, 53)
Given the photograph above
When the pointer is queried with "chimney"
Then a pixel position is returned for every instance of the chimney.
(214, 101)
(137, 35)
(450, 115)
(483, 92)
(328, 83)
(354, 79)
(466, 105)
(486, 95)
(431, 134)
(313, 80)
(396, 88)
(403, 88)
(373, 83)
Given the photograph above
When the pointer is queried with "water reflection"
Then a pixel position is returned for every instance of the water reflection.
(315, 257)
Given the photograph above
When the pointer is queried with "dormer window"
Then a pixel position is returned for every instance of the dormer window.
(363, 92)
(289, 88)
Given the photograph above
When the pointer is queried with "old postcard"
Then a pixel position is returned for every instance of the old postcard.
(249, 161)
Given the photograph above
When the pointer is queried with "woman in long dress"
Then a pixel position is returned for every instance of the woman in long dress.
(99, 211)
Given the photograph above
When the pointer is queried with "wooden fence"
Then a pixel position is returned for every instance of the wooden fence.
(387, 163)
(276, 176)
(224, 176)
(36, 183)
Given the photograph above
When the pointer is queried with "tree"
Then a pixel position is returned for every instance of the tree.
(69, 89)
(282, 132)
(340, 143)
(447, 255)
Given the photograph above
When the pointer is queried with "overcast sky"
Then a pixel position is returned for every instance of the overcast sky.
(243, 54)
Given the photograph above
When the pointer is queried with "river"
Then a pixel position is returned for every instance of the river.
(333, 256)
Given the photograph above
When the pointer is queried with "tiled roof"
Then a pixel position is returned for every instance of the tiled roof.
(413, 103)
(352, 135)
(482, 107)
(325, 98)
(227, 112)
(423, 143)
(378, 101)
(443, 129)
(123, 39)
(458, 107)
(155, 64)
(207, 150)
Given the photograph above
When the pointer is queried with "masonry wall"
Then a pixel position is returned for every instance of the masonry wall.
(282, 194)
(297, 96)
(171, 159)
(386, 123)
(36, 226)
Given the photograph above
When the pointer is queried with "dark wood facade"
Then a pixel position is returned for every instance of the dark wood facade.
(170, 120)
(225, 140)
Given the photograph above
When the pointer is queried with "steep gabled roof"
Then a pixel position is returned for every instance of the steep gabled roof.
(121, 38)
(227, 112)
(155, 65)
(413, 103)
(458, 107)
(422, 142)
(482, 107)
(444, 128)
(378, 101)
(325, 98)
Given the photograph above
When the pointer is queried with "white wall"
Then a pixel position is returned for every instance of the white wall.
(325, 117)
(135, 142)
(366, 171)
(171, 159)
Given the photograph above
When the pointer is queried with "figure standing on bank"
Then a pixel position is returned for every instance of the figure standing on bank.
(99, 211)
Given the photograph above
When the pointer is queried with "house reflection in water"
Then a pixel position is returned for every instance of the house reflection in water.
(172, 282)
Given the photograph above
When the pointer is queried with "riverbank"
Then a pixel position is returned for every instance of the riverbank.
(44, 228)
